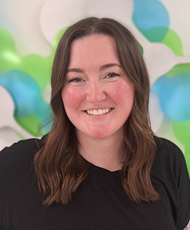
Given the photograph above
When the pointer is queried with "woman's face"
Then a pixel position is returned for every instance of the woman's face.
(97, 95)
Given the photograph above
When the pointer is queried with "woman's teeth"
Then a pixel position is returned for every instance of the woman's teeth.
(98, 112)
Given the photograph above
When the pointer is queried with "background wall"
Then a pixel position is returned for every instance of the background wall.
(30, 31)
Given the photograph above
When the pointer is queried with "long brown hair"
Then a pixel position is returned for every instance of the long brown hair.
(58, 165)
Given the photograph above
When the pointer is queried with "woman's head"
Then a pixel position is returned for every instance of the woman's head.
(58, 163)
(129, 55)
(97, 95)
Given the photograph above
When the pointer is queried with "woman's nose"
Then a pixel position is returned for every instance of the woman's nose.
(95, 92)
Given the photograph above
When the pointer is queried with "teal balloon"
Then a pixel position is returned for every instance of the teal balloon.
(25, 78)
(25, 94)
(174, 96)
(151, 18)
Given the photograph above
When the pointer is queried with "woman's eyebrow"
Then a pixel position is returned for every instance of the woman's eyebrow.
(75, 70)
(78, 70)
(109, 65)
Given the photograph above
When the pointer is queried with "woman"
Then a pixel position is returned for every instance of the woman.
(100, 166)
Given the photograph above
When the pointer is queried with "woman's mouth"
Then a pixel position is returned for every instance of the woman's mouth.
(97, 112)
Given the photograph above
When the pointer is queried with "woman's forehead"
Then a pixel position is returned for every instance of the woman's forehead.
(93, 49)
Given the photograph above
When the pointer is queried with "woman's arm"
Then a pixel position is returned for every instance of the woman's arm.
(187, 227)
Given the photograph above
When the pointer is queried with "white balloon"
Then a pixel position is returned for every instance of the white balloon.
(166, 131)
(160, 59)
(179, 21)
(7, 137)
(21, 19)
(156, 114)
(58, 14)
(7, 114)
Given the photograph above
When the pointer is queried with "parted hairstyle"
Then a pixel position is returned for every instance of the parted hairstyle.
(59, 167)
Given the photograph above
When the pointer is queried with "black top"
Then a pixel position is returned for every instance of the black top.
(100, 202)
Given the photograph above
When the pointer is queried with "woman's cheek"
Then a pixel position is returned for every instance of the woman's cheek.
(123, 91)
(71, 96)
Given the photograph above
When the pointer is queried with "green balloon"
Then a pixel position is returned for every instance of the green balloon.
(57, 38)
(8, 56)
(173, 41)
(38, 67)
(178, 69)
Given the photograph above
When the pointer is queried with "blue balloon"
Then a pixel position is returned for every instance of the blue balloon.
(174, 96)
(149, 14)
(26, 94)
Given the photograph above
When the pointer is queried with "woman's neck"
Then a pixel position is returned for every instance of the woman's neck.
(106, 153)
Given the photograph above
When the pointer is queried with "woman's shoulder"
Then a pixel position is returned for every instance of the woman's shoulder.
(19, 154)
(170, 171)
(169, 159)
(167, 149)
(22, 147)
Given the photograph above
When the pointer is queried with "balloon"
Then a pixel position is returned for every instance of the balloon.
(179, 69)
(151, 18)
(173, 41)
(8, 57)
(174, 96)
(38, 67)
(29, 105)
(25, 78)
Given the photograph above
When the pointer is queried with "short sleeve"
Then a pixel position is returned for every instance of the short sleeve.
(183, 183)
(15, 163)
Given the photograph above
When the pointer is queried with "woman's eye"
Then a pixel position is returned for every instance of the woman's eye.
(77, 79)
(111, 75)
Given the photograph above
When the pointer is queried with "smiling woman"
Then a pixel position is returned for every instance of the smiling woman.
(98, 87)
(101, 166)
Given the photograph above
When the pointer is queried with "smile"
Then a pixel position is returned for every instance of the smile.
(97, 112)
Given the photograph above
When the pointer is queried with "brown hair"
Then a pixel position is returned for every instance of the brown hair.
(59, 167)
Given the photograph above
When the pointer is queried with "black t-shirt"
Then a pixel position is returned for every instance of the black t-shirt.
(100, 202)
